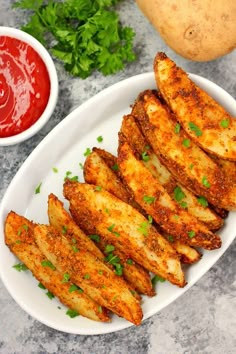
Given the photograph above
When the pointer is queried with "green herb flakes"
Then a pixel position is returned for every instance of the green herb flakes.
(178, 194)
(72, 313)
(20, 267)
(87, 276)
(115, 167)
(41, 286)
(100, 139)
(177, 128)
(95, 238)
(111, 229)
(186, 143)
(191, 234)
(49, 264)
(203, 201)
(109, 248)
(224, 123)
(87, 152)
(66, 278)
(195, 129)
(55, 170)
(50, 295)
(129, 261)
(205, 182)
(148, 199)
(156, 279)
(145, 156)
(38, 188)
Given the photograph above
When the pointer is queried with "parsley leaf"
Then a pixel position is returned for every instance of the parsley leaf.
(84, 35)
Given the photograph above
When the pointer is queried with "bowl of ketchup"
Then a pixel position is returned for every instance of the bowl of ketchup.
(28, 86)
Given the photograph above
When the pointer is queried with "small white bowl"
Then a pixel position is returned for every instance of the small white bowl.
(45, 56)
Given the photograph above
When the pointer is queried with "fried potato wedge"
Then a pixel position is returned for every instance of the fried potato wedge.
(189, 164)
(63, 222)
(19, 237)
(89, 273)
(204, 119)
(124, 227)
(189, 255)
(154, 199)
(137, 141)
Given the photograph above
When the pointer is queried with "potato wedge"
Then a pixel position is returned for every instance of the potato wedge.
(154, 199)
(137, 277)
(189, 164)
(20, 239)
(63, 222)
(137, 141)
(124, 227)
(204, 119)
(89, 273)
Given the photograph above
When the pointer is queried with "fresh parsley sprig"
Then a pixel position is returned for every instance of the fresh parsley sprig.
(86, 35)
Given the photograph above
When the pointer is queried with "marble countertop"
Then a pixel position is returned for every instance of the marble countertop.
(202, 320)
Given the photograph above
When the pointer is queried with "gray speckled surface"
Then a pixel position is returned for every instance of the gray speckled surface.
(203, 320)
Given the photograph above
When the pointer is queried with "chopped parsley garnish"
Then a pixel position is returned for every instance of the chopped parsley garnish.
(66, 278)
(98, 188)
(109, 248)
(81, 165)
(145, 156)
(100, 139)
(38, 188)
(191, 234)
(183, 205)
(49, 264)
(157, 278)
(64, 229)
(195, 129)
(20, 267)
(170, 238)
(144, 227)
(95, 238)
(41, 286)
(191, 166)
(87, 152)
(74, 287)
(177, 128)
(50, 295)
(129, 261)
(203, 201)
(67, 176)
(224, 123)
(72, 313)
(87, 276)
(23, 227)
(115, 261)
(205, 182)
(100, 272)
(111, 229)
(186, 143)
(178, 194)
(148, 199)
(55, 170)
(115, 167)
(75, 248)
(150, 220)
(100, 309)
(74, 178)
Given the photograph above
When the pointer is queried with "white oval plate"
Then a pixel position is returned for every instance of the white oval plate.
(64, 149)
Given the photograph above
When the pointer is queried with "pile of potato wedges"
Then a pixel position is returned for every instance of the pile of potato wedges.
(143, 213)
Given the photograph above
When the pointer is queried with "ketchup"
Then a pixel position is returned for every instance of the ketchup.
(24, 86)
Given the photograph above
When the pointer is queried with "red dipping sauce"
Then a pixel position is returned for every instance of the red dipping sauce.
(24, 86)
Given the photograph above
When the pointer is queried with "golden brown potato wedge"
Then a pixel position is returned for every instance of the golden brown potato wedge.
(189, 164)
(124, 227)
(19, 238)
(136, 276)
(154, 199)
(204, 119)
(89, 273)
(61, 220)
(187, 199)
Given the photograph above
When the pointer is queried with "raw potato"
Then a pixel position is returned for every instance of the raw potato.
(200, 30)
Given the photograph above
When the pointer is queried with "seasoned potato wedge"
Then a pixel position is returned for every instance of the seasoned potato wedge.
(136, 140)
(19, 237)
(204, 119)
(189, 164)
(89, 273)
(154, 199)
(61, 220)
(136, 276)
(124, 227)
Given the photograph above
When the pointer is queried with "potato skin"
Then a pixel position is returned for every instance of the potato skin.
(197, 30)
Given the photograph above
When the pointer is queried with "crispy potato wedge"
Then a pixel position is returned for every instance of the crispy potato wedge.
(19, 238)
(89, 273)
(204, 119)
(63, 222)
(154, 199)
(189, 255)
(189, 164)
(137, 141)
(124, 227)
